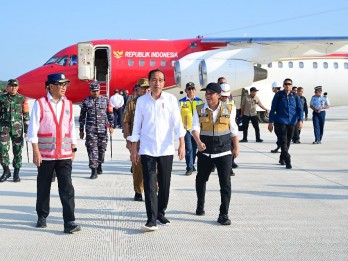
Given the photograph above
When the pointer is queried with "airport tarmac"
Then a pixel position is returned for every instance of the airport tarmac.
(277, 214)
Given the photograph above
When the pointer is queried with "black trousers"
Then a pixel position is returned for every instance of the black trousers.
(204, 166)
(254, 122)
(156, 204)
(286, 132)
(65, 187)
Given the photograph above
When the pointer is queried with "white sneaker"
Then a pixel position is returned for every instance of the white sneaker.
(146, 228)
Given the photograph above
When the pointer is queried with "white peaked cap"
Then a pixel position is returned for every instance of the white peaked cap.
(276, 85)
(225, 89)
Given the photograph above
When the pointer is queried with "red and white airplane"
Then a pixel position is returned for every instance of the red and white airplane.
(244, 62)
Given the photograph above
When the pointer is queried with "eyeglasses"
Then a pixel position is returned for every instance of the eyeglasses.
(287, 83)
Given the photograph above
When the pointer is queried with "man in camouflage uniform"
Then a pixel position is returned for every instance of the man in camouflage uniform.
(143, 87)
(95, 112)
(14, 121)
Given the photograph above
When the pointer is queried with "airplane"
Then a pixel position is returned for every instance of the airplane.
(243, 61)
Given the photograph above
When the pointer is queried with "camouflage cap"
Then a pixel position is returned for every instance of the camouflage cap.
(94, 86)
(12, 82)
(143, 82)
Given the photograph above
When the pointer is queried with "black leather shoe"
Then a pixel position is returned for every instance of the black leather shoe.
(259, 140)
(200, 212)
(282, 162)
(188, 173)
(94, 174)
(162, 220)
(41, 222)
(234, 165)
(275, 150)
(6, 174)
(71, 227)
(99, 169)
(224, 220)
(232, 172)
(138, 197)
(288, 166)
(243, 140)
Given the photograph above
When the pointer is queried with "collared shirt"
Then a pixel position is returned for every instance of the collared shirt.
(249, 105)
(34, 123)
(155, 123)
(117, 100)
(233, 126)
(319, 102)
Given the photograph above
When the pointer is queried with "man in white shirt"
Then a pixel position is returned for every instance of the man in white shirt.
(52, 134)
(117, 102)
(213, 125)
(157, 118)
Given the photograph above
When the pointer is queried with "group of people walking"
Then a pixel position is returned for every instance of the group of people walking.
(151, 122)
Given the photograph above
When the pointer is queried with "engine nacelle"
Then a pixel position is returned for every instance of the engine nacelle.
(186, 71)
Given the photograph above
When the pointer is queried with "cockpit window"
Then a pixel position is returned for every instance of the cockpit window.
(52, 60)
(73, 60)
(62, 61)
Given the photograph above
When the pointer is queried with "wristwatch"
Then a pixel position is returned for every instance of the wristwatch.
(74, 149)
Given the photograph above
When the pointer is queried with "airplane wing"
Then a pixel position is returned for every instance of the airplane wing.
(236, 57)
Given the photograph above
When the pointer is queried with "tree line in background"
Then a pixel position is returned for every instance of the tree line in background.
(3, 86)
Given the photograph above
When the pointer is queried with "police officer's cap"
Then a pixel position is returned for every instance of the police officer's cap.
(213, 87)
(56, 78)
(143, 82)
(12, 82)
(94, 86)
(190, 85)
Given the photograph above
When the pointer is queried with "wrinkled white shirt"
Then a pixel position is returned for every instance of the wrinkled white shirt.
(155, 124)
(117, 100)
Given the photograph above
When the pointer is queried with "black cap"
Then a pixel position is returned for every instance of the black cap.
(213, 87)
(253, 89)
(56, 78)
(190, 85)
(318, 88)
(12, 82)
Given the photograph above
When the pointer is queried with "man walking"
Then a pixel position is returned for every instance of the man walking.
(14, 120)
(96, 115)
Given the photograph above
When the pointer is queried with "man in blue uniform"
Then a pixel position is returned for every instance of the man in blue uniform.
(96, 111)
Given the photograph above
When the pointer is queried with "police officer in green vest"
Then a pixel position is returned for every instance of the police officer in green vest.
(14, 120)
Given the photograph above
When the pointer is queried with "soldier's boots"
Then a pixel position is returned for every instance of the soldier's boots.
(94, 174)
(16, 175)
(6, 174)
(99, 169)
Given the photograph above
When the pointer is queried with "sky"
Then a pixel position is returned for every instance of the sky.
(33, 31)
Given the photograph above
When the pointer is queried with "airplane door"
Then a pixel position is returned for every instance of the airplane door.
(85, 61)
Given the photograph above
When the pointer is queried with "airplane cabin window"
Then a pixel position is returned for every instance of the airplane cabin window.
(141, 62)
(315, 65)
(335, 65)
(269, 65)
(62, 61)
(73, 60)
(291, 64)
(152, 63)
(130, 62)
(325, 65)
(301, 65)
(345, 65)
(163, 63)
(52, 60)
(280, 64)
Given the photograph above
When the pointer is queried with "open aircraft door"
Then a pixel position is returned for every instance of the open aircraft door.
(85, 61)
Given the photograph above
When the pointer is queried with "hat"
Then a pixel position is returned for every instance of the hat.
(318, 88)
(225, 89)
(276, 85)
(94, 86)
(12, 82)
(143, 82)
(190, 85)
(253, 89)
(56, 78)
(213, 87)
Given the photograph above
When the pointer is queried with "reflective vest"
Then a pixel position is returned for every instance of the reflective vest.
(187, 109)
(54, 134)
(216, 136)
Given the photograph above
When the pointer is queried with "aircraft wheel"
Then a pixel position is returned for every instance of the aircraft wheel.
(263, 116)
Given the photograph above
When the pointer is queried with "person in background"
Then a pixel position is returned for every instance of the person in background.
(294, 90)
(188, 105)
(248, 111)
(117, 102)
(319, 104)
(96, 117)
(276, 86)
(213, 126)
(143, 87)
(52, 134)
(157, 118)
(297, 132)
(14, 120)
(286, 114)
